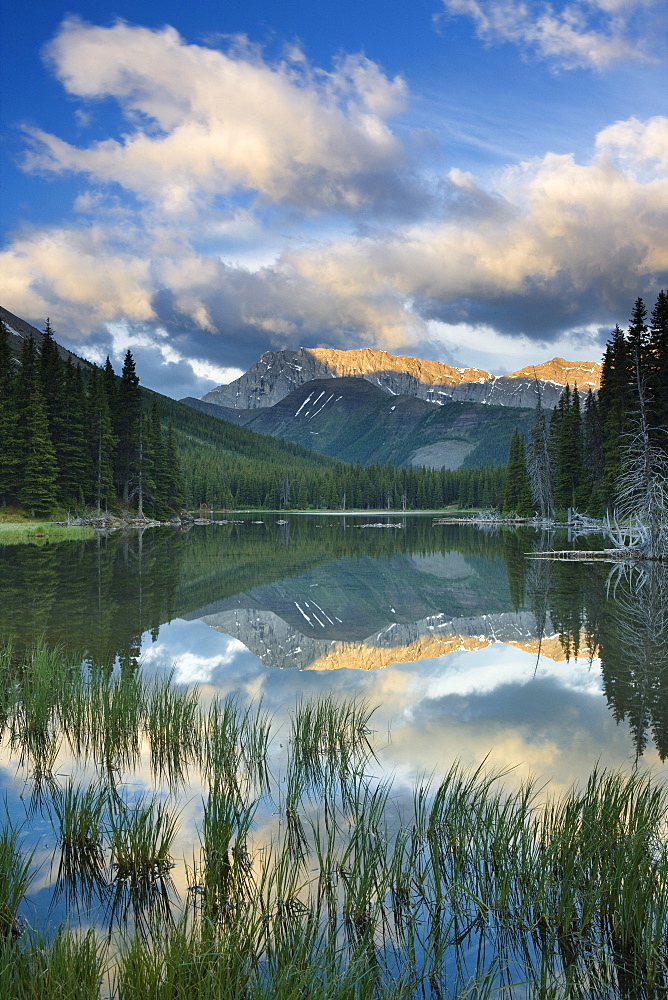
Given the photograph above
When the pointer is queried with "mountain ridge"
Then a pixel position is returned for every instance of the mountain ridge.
(353, 420)
(277, 373)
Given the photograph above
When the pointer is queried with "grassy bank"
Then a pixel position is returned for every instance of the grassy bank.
(467, 889)
(40, 532)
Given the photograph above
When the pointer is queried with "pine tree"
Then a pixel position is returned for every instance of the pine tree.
(539, 465)
(657, 367)
(560, 451)
(109, 383)
(72, 451)
(637, 336)
(517, 489)
(9, 434)
(127, 419)
(51, 380)
(594, 458)
(101, 443)
(175, 496)
(39, 488)
(580, 492)
(614, 402)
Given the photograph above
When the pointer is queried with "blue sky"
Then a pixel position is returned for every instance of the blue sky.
(482, 182)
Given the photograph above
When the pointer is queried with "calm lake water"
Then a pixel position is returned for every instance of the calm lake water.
(469, 649)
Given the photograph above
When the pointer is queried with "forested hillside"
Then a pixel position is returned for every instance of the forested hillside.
(80, 438)
(353, 420)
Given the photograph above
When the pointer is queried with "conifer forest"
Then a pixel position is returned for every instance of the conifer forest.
(601, 452)
(80, 438)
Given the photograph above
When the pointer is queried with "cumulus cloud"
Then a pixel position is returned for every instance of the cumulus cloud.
(177, 233)
(202, 121)
(550, 247)
(580, 33)
(569, 237)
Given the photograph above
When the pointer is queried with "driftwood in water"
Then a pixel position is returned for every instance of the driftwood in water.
(604, 555)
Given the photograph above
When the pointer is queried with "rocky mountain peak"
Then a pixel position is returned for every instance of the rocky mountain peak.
(278, 373)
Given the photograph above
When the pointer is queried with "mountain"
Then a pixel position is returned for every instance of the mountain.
(279, 373)
(20, 330)
(353, 420)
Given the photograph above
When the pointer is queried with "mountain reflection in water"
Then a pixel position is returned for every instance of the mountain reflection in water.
(318, 593)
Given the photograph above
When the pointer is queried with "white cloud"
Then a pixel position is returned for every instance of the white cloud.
(203, 121)
(125, 337)
(639, 145)
(193, 668)
(580, 33)
(480, 673)
(538, 253)
(484, 347)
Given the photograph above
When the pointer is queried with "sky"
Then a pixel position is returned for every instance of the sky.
(478, 182)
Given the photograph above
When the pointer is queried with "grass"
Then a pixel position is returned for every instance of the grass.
(15, 877)
(140, 837)
(463, 892)
(40, 532)
(70, 966)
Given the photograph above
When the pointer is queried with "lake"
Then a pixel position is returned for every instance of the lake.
(466, 647)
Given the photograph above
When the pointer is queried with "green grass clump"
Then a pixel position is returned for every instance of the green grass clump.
(80, 812)
(172, 724)
(141, 837)
(15, 877)
(330, 738)
(70, 966)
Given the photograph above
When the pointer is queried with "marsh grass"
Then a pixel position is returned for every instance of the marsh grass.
(329, 738)
(70, 966)
(226, 860)
(79, 813)
(468, 891)
(140, 837)
(172, 724)
(15, 877)
(234, 746)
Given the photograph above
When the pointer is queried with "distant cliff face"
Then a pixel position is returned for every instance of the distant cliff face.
(278, 373)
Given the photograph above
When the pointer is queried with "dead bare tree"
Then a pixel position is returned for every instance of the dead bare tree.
(538, 463)
(642, 486)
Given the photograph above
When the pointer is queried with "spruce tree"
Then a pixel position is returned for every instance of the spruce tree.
(560, 451)
(101, 443)
(593, 455)
(51, 375)
(39, 490)
(657, 374)
(127, 419)
(539, 465)
(517, 488)
(614, 402)
(637, 337)
(175, 496)
(9, 434)
(72, 450)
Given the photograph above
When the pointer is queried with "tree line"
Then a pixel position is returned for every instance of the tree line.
(78, 437)
(610, 452)
(74, 437)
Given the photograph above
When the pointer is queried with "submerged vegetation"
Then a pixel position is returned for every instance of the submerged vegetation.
(313, 875)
